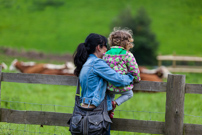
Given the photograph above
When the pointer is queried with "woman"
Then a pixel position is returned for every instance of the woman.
(94, 73)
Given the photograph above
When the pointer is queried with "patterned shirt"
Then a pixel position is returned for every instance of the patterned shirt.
(122, 61)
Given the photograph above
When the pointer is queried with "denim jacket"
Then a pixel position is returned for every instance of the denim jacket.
(94, 76)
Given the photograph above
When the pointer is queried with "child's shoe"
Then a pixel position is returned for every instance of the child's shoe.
(113, 105)
(111, 114)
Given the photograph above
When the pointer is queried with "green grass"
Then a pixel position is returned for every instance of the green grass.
(177, 24)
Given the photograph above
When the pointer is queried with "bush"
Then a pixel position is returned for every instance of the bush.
(145, 49)
(42, 4)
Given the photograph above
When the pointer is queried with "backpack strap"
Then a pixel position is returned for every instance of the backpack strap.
(105, 103)
(78, 87)
(77, 96)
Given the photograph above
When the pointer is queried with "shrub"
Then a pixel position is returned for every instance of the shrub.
(145, 49)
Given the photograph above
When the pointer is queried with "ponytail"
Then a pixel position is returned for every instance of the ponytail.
(80, 57)
(84, 49)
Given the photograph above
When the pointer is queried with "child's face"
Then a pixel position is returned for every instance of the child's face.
(128, 47)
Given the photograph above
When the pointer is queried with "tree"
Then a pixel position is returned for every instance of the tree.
(145, 49)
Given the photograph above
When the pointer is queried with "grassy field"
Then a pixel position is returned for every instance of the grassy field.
(24, 25)
(41, 26)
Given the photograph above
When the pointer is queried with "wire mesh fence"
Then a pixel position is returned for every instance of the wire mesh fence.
(27, 129)
(35, 106)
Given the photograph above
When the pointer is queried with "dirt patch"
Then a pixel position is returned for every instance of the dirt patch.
(33, 55)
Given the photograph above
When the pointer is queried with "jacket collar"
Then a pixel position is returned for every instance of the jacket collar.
(92, 55)
(117, 47)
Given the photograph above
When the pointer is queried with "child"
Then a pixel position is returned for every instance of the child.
(121, 60)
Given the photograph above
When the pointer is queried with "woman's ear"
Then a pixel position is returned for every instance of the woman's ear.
(98, 48)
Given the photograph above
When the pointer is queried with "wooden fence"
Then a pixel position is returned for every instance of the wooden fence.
(179, 68)
(175, 89)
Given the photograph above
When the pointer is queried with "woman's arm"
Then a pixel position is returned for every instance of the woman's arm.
(103, 70)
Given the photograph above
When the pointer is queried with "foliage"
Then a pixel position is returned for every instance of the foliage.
(42, 4)
(146, 46)
(6, 3)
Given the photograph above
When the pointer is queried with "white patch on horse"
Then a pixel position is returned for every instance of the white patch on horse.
(28, 63)
(4, 66)
(70, 65)
(12, 66)
(53, 66)
(70, 71)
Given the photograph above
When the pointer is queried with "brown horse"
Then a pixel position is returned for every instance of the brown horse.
(42, 68)
(68, 69)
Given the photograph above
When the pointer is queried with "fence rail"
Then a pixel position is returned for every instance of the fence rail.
(178, 68)
(179, 58)
(175, 89)
(60, 119)
(71, 80)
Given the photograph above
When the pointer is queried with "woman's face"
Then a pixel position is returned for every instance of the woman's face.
(100, 51)
(103, 49)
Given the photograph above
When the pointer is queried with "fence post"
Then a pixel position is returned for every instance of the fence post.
(174, 61)
(159, 61)
(174, 117)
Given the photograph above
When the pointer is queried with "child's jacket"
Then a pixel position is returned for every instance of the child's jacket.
(123, 62)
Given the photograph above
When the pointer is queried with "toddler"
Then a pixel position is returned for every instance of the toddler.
(122, 61)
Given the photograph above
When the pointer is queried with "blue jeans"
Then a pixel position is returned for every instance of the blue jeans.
(108, 133)
(123, 98)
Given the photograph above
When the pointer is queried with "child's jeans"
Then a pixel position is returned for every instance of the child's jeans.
(124, 96)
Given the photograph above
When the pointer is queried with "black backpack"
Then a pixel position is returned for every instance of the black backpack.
(89, 121)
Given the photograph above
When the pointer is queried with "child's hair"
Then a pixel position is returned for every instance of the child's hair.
(121, 37)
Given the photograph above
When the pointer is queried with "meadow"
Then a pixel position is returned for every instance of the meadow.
(59, 29)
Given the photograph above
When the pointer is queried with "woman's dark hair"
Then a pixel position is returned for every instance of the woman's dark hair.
(84, 49)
